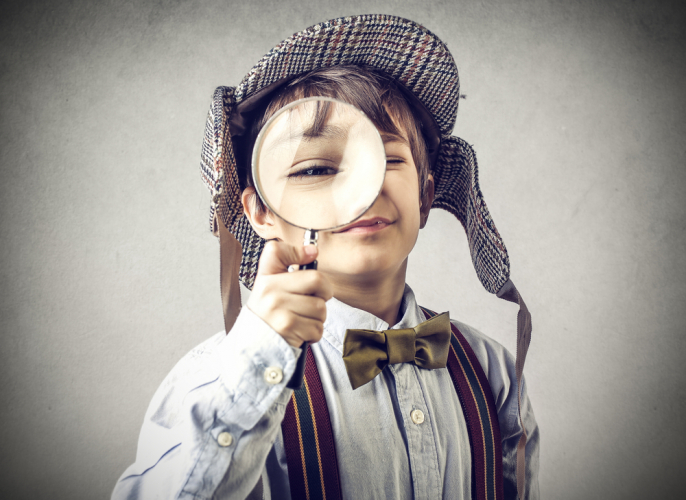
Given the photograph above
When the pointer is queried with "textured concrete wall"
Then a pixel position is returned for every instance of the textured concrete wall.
(109, 274)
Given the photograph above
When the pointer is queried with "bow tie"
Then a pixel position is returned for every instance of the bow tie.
(367, 352)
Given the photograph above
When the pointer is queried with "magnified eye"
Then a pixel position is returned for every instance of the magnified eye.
(312, 171)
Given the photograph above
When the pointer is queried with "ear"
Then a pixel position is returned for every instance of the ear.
(426, 200)
(260, 217)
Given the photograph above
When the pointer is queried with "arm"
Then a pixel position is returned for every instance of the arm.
(214, 420)
(215, 417)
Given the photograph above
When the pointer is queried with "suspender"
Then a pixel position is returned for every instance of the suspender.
(308, 440)
(308, 436)
(478, 406)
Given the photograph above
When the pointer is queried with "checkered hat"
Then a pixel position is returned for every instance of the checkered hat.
(413, 56)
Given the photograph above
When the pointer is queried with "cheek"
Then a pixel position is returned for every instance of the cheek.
(289, 234)
(404, 193)
(412, 210)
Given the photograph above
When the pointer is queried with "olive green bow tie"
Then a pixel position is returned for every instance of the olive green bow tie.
(367, 352)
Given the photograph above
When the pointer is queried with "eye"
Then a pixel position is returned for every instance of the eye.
(394, 161)
(312, 171)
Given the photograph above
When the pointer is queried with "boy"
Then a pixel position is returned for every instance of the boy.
(224, 424)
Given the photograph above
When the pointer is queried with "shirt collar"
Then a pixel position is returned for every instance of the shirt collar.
(341, 316)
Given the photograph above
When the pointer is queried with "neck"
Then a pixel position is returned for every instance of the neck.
(380, 295)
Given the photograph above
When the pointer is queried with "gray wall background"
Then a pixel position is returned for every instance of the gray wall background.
(109, 273)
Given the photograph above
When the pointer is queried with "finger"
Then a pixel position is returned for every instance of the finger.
(307, 282)
(307, 306)
(309, 330)
(277, 256)
(297, 329)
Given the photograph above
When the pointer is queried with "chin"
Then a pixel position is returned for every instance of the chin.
(362, 264)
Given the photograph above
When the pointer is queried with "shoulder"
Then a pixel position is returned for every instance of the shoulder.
(492, 355)
(193, 363)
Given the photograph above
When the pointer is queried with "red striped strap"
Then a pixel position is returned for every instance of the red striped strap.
(308, 440)
(478, 406)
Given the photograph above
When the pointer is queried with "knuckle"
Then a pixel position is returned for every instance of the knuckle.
(316, 280)
(317, 330)
(320, 307)
(289, 321)
(294, 256)
(281, 322)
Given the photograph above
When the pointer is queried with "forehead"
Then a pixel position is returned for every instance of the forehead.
(394, 120)
(391, 138)
(383, 104)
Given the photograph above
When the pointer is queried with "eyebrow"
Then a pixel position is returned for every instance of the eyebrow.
(325, 132)
(387, 137)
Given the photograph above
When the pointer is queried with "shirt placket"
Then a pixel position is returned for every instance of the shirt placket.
(421, 442)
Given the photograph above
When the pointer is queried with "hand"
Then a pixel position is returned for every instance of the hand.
(293, 304)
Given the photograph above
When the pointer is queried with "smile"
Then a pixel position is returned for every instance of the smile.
(366, 226)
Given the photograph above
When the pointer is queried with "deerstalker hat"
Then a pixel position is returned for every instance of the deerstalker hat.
(413, 56)
(422, 64)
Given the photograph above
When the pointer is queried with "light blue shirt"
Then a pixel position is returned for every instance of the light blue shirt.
(213, 427)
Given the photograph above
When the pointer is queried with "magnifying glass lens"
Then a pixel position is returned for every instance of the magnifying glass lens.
(319, 163)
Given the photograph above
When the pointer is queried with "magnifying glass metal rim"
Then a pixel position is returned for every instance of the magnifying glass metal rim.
(260, 139)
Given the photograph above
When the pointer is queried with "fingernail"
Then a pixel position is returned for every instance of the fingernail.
(310, 250)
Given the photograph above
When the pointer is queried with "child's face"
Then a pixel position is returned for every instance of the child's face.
(376, 245)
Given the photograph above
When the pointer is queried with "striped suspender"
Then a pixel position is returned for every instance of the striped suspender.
(308, 436)
(481, 416)
(308, 440)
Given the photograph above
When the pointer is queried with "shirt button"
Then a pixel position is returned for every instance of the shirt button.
(224, 439)
(273, 375)
(417, 416)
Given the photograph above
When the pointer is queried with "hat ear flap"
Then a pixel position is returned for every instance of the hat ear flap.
(457, 190)
(252, 245)
(217, 161)
(219, 173)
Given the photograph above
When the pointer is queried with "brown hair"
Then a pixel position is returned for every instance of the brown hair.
(374, 92)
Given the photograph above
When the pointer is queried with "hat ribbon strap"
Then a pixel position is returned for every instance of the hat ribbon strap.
(509, 292)
(230, 254)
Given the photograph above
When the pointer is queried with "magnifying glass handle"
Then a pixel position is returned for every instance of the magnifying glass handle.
(297, 378)
(310, 238)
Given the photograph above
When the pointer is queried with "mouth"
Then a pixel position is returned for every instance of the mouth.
(366, 226)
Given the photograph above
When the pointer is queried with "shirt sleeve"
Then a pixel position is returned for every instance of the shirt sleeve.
(214, 419)
(499, 366)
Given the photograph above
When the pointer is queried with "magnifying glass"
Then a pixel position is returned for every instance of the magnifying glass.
(318, 164)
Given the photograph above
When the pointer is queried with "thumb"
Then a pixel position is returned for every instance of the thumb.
(277, 256)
